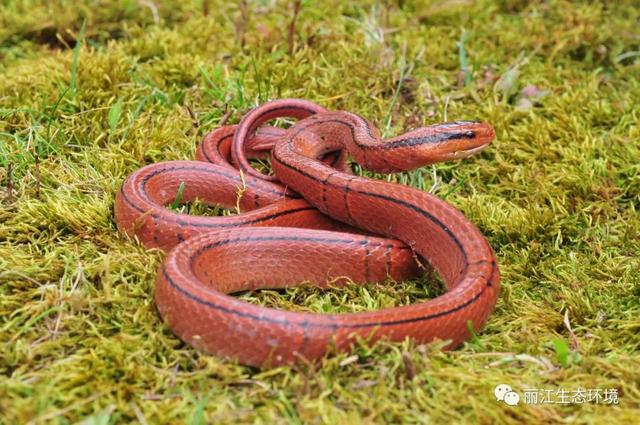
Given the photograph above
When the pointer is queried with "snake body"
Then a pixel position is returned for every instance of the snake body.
(312, 222)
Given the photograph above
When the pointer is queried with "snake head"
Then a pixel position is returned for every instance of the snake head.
(460, 139)
(437, 143)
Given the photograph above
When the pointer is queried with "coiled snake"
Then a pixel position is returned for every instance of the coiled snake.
(313, 222)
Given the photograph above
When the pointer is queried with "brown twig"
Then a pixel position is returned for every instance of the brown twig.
(205, 7)
(10, 183)
(574, 340)
(297, 4)
(409, 366)
(225, 117)
(192, 115)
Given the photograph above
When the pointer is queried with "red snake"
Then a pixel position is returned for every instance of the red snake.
(355, 229)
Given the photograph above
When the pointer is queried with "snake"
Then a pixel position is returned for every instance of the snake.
(313, 221)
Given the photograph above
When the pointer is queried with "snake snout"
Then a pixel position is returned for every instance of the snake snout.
(484, 132)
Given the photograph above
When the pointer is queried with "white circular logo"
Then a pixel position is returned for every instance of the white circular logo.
(504, 393)
(500, 391)
(512, 398)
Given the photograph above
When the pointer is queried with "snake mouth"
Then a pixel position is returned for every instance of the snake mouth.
(464, 153)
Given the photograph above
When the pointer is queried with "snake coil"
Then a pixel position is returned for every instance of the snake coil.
(315, 222)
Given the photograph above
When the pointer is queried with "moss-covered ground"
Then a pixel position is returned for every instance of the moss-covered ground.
(92, 90)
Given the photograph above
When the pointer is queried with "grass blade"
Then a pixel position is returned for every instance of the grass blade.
(114, 116)
(176, 203)
(76, 56)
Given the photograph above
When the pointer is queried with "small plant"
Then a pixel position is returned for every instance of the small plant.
(564, 355)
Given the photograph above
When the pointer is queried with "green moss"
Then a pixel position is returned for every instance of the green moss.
(557, 195)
